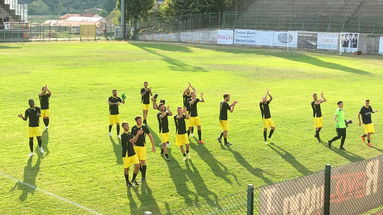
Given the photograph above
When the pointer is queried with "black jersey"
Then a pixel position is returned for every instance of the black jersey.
(113, 109)
(127, 146)
(180, 124)
(141, 138)
(163, 123)
(317, 112)
(33, 114)
(44, 101)
(265, 109)
(193, 108)
(366, 114)
(223, 108)
(145, 99)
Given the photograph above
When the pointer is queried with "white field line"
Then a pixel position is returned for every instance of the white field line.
(50, 194)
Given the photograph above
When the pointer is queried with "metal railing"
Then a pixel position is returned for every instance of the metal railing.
(356, 188)
(317, 23)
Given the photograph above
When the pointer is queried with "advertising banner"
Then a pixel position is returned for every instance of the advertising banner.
(225, 37)
(307, 40)
(328, 41)
(349, 42)
(245, 37)
(285, 39)
(381, 45)
(264, 38)
(355, 188)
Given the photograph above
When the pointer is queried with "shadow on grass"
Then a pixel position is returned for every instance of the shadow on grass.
(293, 56)
(257, 172)
(176, 64)
(377, 149)
(28, 186)
(172, 47)
(117, 150)
(346, 154)
(9, 47)
(218, 168)
(199, 184)
(45, 141)
(179, 177)
(288, 157)
(146, 198)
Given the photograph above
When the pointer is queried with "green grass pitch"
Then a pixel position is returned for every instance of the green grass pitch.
(82, 163)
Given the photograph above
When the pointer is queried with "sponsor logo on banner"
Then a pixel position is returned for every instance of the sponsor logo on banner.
(307, 40)
(245, 37)
(265, 38)
(225, 37)
(381, 46)
(328, 41)
(355, 188)
(285, 39)
(349, 42)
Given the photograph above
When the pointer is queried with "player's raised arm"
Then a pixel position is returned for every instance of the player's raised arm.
(202, 98)
(270, 96)
(232, 106)
(323, 99)
(47, 90)
(169, 111)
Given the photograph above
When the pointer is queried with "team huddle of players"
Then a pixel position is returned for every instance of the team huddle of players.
(133, 141)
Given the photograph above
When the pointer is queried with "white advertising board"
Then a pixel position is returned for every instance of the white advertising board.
(225, 37)
(245, 37)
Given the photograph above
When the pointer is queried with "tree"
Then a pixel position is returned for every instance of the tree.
(136, 10)
(173, 8)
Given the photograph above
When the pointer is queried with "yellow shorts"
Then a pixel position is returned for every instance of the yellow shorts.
(34, 132)
(181, 139)
(194, 121)
(129, 161)
(145, 106)
(141, 152)
(114, 119)
(267, 123)
(318, 122)
(165, 137)
(45, 113)
(224, 125)
(369, 128)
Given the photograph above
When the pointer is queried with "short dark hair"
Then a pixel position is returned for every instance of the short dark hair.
(226, 95)
(114, 90)
(30, 100)
(124, 123)
(367, 100)
(145, 82)
(162, 101)
(137, 118)
(314, 94)
(339, 102)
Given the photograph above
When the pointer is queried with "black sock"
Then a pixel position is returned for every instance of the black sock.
(143, 171)
(118, 129)
(110, 128)
(265, 135)
(31, 144)
(271, 133)
(364, 135)
(46, 121)
(188, 132)
(221, 135)
(187, 151)
(199, 135)
(192, 130)
(225, 139)
(368, 141)
(127, 178)
(184, 154)
(316, 133)
(134, 176)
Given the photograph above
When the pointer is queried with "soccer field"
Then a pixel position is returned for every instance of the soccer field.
(82, 168)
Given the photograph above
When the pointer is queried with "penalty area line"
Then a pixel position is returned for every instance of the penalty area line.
(50, 194)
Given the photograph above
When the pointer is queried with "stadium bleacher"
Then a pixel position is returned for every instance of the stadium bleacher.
(6, 11)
